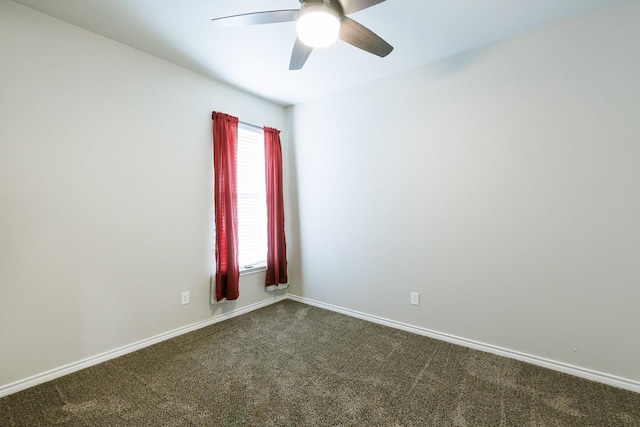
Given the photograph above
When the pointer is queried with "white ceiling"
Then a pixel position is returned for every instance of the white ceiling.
(256, 58)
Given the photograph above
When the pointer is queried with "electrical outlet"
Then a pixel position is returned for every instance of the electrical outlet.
(415, 298)
(185, 297)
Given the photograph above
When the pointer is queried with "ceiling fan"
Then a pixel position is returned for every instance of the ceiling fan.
(319, 23)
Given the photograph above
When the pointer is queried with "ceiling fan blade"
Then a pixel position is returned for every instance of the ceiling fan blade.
(299, 55)
(363, 38)
(257, 18)
(350, 6)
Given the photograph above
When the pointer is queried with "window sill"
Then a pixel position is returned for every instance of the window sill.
(256, 268)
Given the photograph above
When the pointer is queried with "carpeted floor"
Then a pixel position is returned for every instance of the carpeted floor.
(290, 364)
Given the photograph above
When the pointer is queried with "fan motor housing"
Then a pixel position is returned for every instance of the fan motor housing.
(333, 4)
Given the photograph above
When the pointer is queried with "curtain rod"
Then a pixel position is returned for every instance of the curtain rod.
(251, 125)
(248, 124)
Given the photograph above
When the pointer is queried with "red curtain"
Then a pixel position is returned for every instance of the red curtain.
(225, 144)
(276, 244)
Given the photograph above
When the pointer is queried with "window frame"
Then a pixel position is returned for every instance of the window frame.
(260, 265)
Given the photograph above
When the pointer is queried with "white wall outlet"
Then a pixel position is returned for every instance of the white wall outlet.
(185, 297)
(415, 298)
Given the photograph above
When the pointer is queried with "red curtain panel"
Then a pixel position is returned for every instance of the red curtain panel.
(225, 145)
(276, 242)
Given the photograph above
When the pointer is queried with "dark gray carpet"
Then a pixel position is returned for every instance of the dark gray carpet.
(290, 364)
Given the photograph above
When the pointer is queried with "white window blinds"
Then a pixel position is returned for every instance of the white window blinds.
(252, 205)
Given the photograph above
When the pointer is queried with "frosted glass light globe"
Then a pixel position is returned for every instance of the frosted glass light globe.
(318, 25)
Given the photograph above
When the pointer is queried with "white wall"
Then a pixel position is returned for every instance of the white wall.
(502, 184)
(105, 193)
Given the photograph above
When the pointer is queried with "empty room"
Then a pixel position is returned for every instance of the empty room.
(414, 213)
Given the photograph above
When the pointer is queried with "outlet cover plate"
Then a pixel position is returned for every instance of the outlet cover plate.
(415, 298)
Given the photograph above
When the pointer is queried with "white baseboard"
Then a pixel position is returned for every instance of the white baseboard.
(577, 371)
(43, 377)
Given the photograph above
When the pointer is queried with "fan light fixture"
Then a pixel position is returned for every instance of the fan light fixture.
(318, 25)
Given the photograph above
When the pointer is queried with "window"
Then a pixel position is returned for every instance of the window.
(252, 205)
